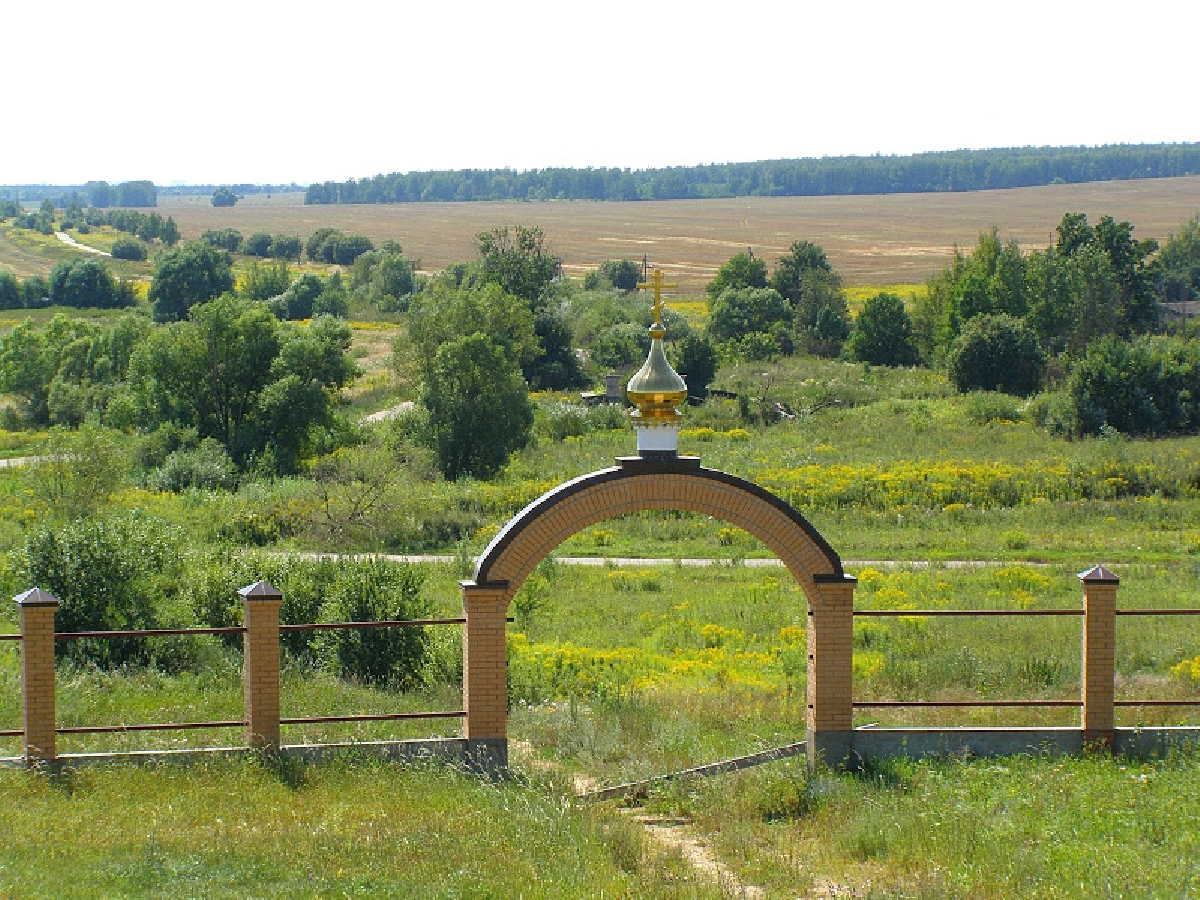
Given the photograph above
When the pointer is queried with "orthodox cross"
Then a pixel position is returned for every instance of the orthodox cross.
(659, 286)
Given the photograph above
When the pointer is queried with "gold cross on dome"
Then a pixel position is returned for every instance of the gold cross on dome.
(659, 286)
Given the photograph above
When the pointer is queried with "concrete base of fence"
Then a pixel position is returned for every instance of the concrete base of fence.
(834, 749)
(489, 755)
(880, 743)
(450, 750)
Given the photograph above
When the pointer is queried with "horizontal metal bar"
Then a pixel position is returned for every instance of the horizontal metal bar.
(968, 612)
(397, 623)
(117, 729)
(1158, 612)
(456, 714)
(11, 637)
(923, 703)
(149, 632)
(1156, 703)
(12, 733)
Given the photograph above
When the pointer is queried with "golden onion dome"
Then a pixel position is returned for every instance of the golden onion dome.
(656, 387)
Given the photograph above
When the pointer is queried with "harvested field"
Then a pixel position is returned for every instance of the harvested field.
(871, 240)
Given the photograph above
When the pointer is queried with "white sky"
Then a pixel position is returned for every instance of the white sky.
(270, 92)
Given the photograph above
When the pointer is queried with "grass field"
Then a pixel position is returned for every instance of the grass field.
(894, 239)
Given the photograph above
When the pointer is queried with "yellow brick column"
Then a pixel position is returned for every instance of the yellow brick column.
(37, 675)
(1098, 678)
(260, 678)
(485, 673)
(831, 671)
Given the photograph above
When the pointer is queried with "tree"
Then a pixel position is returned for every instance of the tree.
(285, 247)
(10, 291)
(820, 318)
(996, 352)
(479, 409)
(331, 246)
(262, 282)
(883, 333)
(384, 278)
(87, 283)
(440, 314)
(623, 274)
(224, 196)
(136, 193)
(236, 374)
(742, 270)
(1178, 265)
(258, 244)
(169, 232)
(737, 312)
(1073, 299)
(801, 257)
(297, 301)
(186, 276)
(695, 358)
(1127, 257)
(518, 260)
(228, 239)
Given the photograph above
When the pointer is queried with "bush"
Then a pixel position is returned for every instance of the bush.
(1151, 386)
(206, 467)
(110, 574)
(996, 353)
(128, 248)
(368, 591)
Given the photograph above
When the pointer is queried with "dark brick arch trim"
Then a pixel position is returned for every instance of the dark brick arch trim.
(636, 466)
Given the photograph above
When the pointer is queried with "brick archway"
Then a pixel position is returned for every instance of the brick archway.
(639, 484)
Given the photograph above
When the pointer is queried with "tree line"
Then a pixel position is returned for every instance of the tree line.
(956, 170)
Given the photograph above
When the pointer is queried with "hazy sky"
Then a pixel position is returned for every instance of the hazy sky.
(225, 92)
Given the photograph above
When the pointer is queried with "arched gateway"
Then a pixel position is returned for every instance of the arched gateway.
(657, 479)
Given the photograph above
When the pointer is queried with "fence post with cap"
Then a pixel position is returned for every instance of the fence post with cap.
(260, 678)
(37, 609)
(1097, 680)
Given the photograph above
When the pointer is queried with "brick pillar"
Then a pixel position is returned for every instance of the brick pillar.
(260, 678)
(485, 673)
(1099, 653)
(37, 675)
(831, 671)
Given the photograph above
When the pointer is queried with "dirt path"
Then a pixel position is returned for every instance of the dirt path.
(71, 242)
(676, 835)
(679, 835)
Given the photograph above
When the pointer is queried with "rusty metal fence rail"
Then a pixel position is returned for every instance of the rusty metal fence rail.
(1100, 649)
(262, 719)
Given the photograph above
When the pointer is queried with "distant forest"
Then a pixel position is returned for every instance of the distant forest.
(956, 170)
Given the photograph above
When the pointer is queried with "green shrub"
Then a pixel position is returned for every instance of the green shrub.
(376, 590)
(128, 248)
(207, 466)
(982, 407)
(111, 574)
(1151, 386)
(996, 353)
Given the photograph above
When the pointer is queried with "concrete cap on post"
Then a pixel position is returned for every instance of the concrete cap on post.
(36, 597)
(1098, 575)
(260, 590)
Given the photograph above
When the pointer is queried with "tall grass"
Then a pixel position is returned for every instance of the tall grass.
(347, 828)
